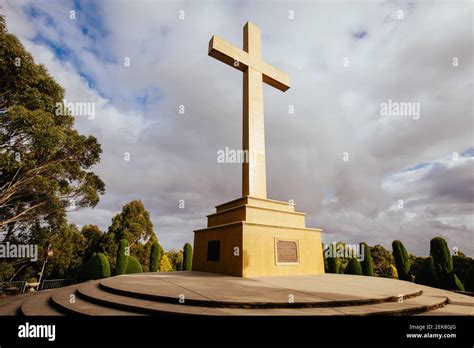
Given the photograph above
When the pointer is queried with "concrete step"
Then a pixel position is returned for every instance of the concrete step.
(96, 294)
(158, 294)
(40, 305)
(232, 292)
(408, 307)
(458, 304)
(71, 302)
(11, 305)
(92, 293)
(420, 304)
(449, 310)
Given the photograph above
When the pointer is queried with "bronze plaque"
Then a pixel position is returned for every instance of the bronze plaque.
(287, 251)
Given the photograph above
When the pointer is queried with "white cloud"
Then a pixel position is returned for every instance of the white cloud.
(337, 110)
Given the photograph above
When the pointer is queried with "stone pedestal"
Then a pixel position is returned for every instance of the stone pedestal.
(252, 236)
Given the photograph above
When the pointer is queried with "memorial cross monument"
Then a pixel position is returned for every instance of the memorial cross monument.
(252, 235)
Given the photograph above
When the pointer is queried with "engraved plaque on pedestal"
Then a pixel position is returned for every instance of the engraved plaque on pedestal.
(286, 251)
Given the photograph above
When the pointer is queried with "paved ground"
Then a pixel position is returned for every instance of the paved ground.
(198, 293)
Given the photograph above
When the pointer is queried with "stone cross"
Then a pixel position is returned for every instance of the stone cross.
(256, 72)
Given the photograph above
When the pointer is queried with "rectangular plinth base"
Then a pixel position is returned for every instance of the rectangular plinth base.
(257, 237)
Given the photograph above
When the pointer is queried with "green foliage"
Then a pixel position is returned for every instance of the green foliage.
(382, 260)
(393, 272)
(443, 264)
(469, 282)
(368, 263)
(442, 261)
(175, 257)
(165, 264)
(187, 257)
(333, 265)
(19, 86)
(461, 266)
(331, 251)
(122, 257)
(155, 257)
(141, 253)
(2, 24)
(133, 266)
(425, 273)
(162, 251)
(132, 223)
(93, 241)
(98, 267)
(145, 256)
(179, 261)
(325, 259)
(402, 260)
(456, 283)
(67, 244)
(46, 164)
(6, 271)
(441, 256)
(99, 242)
(353, 267)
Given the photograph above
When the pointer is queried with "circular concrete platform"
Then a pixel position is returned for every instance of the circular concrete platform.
(214, 290)
(198, 293)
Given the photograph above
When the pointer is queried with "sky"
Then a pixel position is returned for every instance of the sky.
(335, 144)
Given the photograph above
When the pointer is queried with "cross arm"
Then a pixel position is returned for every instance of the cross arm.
(275, 78)
(228, 53)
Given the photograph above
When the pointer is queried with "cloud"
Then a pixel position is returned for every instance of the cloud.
(337, 110)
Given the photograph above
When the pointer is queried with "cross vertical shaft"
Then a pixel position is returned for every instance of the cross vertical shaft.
(256, 73)
(253, 170)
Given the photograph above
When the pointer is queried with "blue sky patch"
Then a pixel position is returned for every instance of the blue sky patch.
(359, 35)
(468, 153)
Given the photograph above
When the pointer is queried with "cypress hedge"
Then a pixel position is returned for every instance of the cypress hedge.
(469, 283)
(402, 261)
(443, 265)
(133, 266)
(187, 257)
(333, 265)
(426, 274)
(368, 263)
(353, 267)
(122, 257)
(97, 267)
(155, 256)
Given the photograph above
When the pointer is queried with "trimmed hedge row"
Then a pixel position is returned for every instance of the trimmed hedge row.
(98, 267)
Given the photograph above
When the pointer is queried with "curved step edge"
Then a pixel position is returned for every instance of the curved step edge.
(142, 308)
(409, 311)
(256, 305)
(82, 307)
(40, 304)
